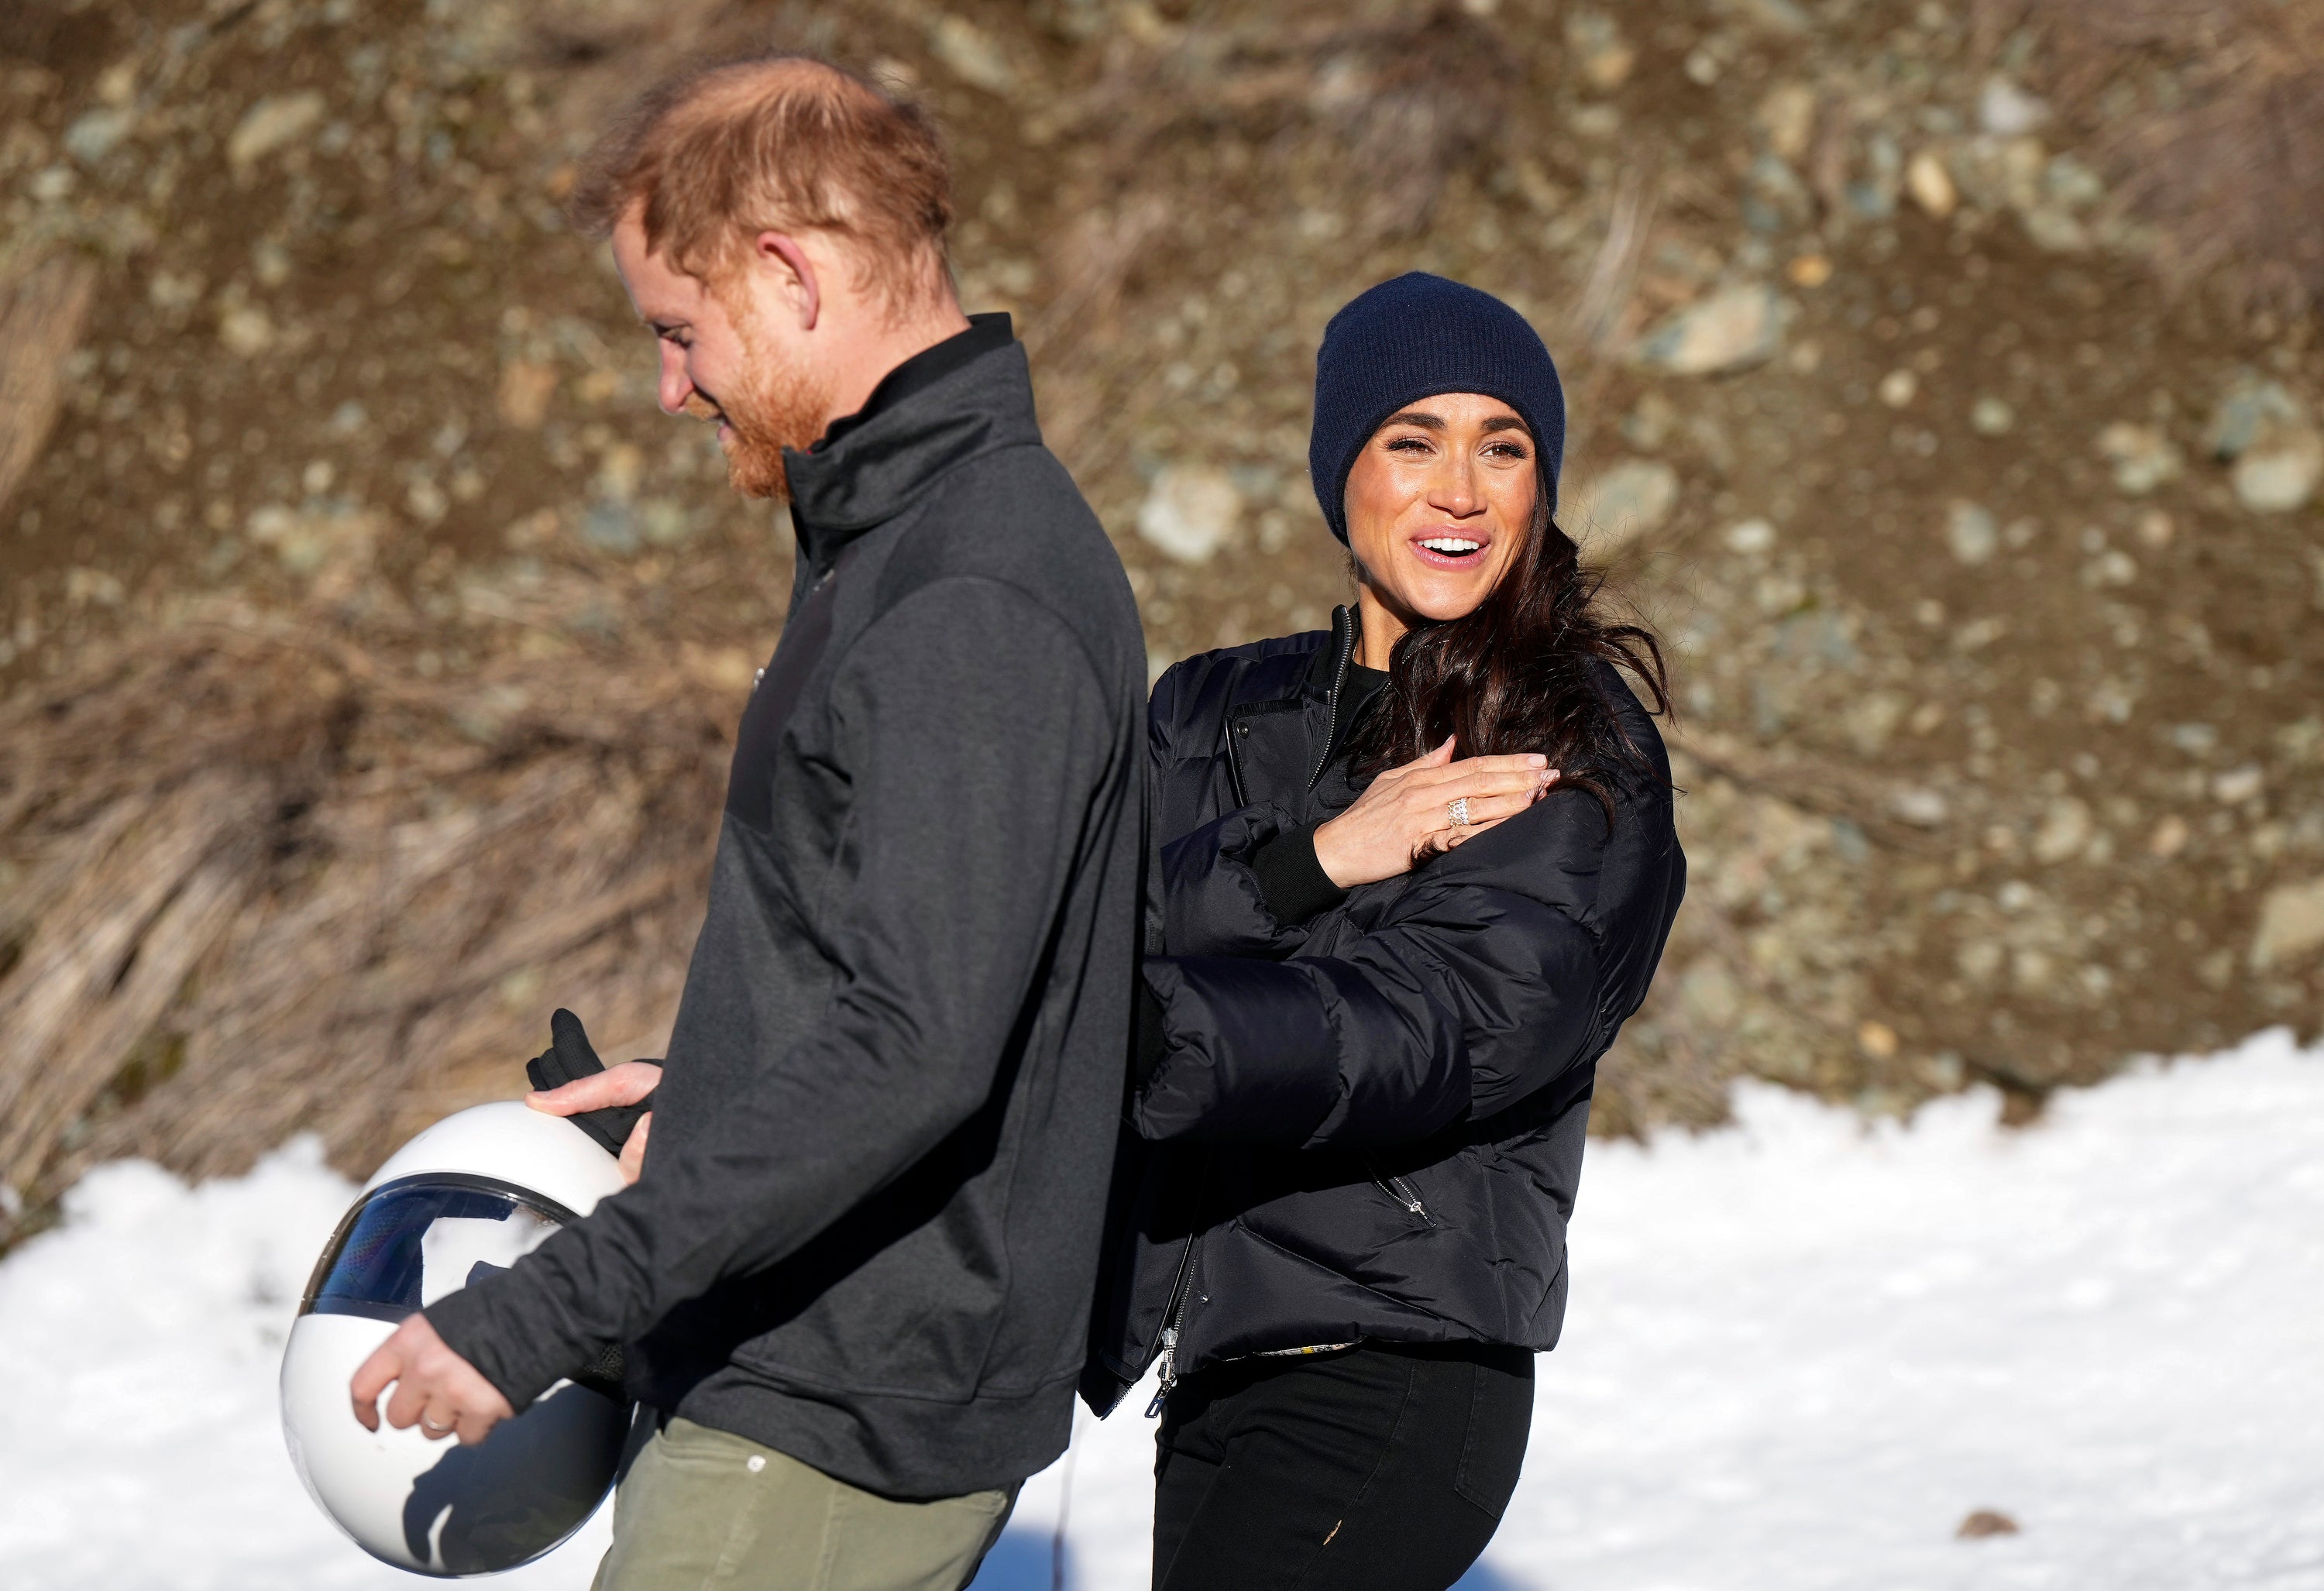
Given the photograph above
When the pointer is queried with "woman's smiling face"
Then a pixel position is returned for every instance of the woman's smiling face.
(1439, 502)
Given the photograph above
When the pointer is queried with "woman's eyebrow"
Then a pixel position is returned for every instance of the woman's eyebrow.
(1504, 422)
(1415, 417)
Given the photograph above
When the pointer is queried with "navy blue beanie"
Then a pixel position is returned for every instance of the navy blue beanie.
(1414, 337)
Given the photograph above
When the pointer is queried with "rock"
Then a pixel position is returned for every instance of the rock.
(94, 134)
(1808, 270)
(1922, 808)
(246, 331)
(2054, 229)
(1877, 1040)
(1874, 196)
(1626, 501)
(1770, 16)
(1786, 119)
(2250, 408)
(1986, 1521)
(1930, 185)
(2007, 111)
(972, 55)
(2279, 473)
(2291, 924)
(610, 526)
(1992, 416)
(274, 122)
(1750, 537)
(2143, 458)
(1971, 533)
(1649, 423)
(1737, 326)
(1190, 511)
(2238, 785)
(2168, 839)
(1897, 386)
(84, 586)
(2065, 829)
(525, 390)
(2070, 184)
(1605, 57)
(1777, 194)
(316, 540)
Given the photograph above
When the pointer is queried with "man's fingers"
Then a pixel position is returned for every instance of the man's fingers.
(625, 1084)
(372, 1378)
(633, 1148)
(404, 1405)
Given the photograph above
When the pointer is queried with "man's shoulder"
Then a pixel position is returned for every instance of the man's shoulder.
(1014, 519)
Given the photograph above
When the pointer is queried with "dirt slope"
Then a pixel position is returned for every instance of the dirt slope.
(1992, 565)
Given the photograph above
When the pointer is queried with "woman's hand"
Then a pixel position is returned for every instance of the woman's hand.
(1406, 816)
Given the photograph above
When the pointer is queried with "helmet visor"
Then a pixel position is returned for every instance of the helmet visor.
(408, 1243)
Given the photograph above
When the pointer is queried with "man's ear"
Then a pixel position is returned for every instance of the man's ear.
(786, 267)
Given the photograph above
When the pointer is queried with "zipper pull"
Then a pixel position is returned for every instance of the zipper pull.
(1170, 1371)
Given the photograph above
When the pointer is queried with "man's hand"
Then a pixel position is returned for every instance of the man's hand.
(625, 1084)
(435, 1388)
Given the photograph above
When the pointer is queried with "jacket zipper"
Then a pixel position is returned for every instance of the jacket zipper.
(1170, 1330)
(1404, 1193)
(1342, 637)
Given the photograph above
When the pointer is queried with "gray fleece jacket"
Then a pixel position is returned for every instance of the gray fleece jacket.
(867, 1229)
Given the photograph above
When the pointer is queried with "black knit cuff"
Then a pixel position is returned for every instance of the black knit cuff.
(1293, 881)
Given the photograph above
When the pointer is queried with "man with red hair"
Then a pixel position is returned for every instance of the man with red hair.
(853, 1272)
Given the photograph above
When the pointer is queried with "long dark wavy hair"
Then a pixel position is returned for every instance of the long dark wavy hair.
(1517, 674)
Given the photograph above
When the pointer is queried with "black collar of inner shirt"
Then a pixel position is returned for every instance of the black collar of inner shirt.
(925, 369)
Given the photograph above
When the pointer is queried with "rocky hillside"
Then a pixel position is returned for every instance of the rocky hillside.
(1944, 381)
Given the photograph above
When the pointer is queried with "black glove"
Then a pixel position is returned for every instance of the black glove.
(570, 1055)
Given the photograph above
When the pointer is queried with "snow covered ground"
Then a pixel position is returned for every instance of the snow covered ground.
(1800, 1352)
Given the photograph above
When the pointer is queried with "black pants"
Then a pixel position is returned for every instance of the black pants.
(1383, 1468)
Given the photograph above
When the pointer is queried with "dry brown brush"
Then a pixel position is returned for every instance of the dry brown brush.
(2210, 113)
(261, 876)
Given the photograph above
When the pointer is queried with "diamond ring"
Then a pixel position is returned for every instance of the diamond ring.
(1457, 811)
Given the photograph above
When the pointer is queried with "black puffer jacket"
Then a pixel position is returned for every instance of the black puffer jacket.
(1366, 1124)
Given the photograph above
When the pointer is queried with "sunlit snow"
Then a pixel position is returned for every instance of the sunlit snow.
(1800, 1353)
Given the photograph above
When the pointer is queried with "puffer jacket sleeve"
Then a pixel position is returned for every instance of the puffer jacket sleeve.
(1474, 989)
(1201, 896)
(1212, 901)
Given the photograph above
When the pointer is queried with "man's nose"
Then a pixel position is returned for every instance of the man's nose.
(677, 387)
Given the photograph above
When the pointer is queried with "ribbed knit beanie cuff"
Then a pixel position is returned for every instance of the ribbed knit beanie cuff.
(1413, 337)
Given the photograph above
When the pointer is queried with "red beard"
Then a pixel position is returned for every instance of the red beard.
(778, 404)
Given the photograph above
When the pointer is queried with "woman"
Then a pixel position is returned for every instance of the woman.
(1413, 875)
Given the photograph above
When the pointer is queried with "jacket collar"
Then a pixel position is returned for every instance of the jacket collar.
(895, 453)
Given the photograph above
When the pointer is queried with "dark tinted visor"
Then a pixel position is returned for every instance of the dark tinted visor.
(408, 1243)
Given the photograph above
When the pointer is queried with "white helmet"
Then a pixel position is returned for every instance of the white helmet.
(475, 1191)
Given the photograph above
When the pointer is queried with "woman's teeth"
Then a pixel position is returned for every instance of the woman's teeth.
(1453, 546)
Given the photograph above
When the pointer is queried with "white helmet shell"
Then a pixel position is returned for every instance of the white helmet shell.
(479, 1189)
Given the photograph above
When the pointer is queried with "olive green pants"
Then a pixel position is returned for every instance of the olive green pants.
(702, 1508)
